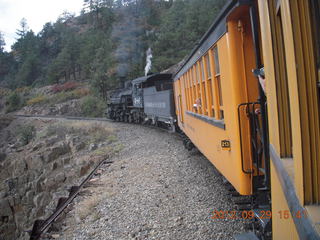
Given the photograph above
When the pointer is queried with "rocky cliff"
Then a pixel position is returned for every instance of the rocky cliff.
(40, 159)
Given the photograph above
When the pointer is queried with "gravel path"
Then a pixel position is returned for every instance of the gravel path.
(155, 189)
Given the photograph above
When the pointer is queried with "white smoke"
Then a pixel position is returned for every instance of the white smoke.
(148, 61)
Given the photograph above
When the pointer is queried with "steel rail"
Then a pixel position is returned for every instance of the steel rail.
(63, 117)
(41, 225)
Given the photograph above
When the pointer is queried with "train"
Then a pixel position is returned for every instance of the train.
(247, 97)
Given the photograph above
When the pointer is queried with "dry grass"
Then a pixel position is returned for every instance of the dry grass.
(88, 206)
(37, 100)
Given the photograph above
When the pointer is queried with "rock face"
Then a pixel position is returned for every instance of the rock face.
(33, 177)
(69, 108)
(5, 121)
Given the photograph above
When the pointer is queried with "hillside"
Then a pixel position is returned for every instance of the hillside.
(67, 99)
(107, 43)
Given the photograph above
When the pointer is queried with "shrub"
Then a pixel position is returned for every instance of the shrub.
(23, 90)
(13, 102)
(57, 129)
(26, 133)
(65, 96)
(4, 92)
(37, 100)
(68, 86)
(81, 92)
(92, 107)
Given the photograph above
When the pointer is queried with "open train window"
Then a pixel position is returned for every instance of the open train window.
(209, 90)
(191, 89)
(218, 81)
(202, 70)
(199, 90)
(195, 88)
(202, 88)
(208, 65)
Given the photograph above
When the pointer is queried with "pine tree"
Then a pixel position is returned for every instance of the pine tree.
(2, 42)
(24, 28)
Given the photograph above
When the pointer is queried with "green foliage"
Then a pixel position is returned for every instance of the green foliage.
(93, 107)
(107, 43)
(181, 27)
(37, 100)
(65, 96)
(14, 102)
(26, 133)
(2, 42)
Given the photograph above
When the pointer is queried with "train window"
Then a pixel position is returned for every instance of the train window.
(305, 18)
(199, 90)
(212, 83)
(218, 82)
(216, 60)
(191, 88)
(282, 83)
(195, 91)
(208, 65)
(197, 74)
(203, 96)
(189, 91)
(203, 90)
(220, 92)
(186, 88)
(202, 70)
(208, 88)
(180, 107)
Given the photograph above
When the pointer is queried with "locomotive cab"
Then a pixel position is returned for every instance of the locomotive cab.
(137, 95)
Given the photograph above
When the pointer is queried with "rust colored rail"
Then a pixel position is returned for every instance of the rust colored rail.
(40, 226)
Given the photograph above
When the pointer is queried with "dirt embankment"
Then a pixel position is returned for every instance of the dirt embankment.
(40, 159)
(70, 98)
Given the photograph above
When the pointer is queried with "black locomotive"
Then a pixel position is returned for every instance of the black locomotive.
(148, 100)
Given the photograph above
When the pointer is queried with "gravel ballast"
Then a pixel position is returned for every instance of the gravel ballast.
(154, 189)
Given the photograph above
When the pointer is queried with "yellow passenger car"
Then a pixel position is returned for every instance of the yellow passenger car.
(209, 89)
(260, 144)
(290, 43)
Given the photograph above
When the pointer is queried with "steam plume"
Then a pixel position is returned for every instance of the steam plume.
(148, 60)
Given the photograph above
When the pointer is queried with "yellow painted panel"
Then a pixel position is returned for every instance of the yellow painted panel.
(282, 227)
(294, 100)
(269, 73)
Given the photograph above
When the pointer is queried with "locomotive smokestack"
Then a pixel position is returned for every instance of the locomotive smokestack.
(148, 61)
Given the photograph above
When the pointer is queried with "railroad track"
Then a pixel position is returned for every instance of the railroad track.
(40, 226)
(96, 119)
(64, 117)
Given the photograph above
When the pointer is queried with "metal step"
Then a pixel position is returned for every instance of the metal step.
(246, 236)
(234, 194)
(242, 201)
(244, 207)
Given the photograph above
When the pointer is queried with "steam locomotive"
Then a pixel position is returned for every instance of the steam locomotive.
(266, 144)
(148, 99)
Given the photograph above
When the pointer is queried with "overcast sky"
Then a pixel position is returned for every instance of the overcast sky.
(37, 13)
